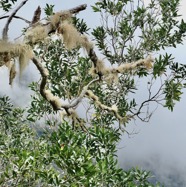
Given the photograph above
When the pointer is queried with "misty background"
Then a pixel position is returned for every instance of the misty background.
(158, 146)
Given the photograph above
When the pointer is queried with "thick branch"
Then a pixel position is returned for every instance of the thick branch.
(92, 55)
(53, 100)
(113, 109)
(5, 30)
(44, 75)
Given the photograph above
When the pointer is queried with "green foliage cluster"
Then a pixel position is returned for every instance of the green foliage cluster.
(59, 156)
(6, 5)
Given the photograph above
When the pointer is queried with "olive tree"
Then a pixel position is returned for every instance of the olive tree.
(89, 89)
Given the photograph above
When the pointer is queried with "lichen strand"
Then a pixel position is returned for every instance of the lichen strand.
(112, 78)
(86, 44)
(71, 37)
(12, 73)
(25, 54)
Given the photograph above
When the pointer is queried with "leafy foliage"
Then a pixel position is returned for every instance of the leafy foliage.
(153, 27)
(49, 10)
(59, 156)
(6, 5)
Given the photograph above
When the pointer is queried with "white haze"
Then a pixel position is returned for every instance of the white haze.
(159, 145)
(19, 92)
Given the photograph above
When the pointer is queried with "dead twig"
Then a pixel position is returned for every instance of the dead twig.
(77, 9)
(37, 15)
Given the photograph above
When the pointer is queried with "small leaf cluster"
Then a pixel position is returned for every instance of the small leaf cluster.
(49, 10)
(172, 93)
(6, 5)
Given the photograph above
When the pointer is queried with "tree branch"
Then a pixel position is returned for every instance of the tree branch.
(44, 74)
(53, 100)
(5, 30)
(146, 103)
(83, 93)
(17, 17)
(77, 9)
(99, 66)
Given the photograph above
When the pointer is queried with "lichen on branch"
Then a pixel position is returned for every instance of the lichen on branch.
(15, 51)
(61, 24)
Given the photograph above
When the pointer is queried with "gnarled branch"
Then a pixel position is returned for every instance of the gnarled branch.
(53, 100)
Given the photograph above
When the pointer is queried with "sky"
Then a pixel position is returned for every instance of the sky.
(159, 145)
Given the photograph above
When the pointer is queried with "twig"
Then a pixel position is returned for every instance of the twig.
(5, 30)
(77, 9)
(153, 98)
(17, 17)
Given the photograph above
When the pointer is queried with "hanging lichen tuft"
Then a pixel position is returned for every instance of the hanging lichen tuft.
(12, 73)
(71, 37)
(21, 52)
